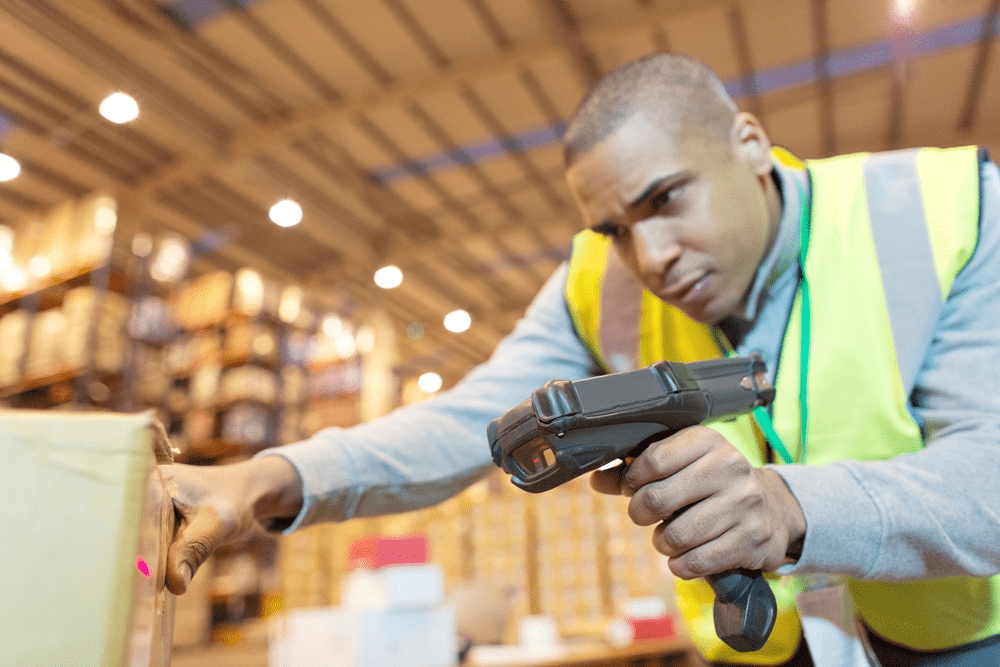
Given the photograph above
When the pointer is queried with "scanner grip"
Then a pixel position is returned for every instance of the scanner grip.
(745, 609)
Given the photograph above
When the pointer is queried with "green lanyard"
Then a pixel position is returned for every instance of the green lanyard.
(760, 414)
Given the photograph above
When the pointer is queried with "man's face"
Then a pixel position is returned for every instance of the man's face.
(692, 224)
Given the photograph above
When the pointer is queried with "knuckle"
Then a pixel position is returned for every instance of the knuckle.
(736, 465)
(694, 565)
(672, 539)
(655, 502)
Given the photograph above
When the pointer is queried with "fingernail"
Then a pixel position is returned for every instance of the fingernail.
(186, 573)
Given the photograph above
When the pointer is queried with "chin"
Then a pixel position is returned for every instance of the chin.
(707, 313)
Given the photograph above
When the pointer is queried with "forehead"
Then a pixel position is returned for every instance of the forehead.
(626, 161)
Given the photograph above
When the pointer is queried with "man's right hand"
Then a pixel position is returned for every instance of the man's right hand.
(219, 504)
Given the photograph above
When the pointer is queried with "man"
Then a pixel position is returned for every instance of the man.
(868, 285)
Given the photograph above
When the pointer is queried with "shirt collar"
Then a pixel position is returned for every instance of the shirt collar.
(784, 253)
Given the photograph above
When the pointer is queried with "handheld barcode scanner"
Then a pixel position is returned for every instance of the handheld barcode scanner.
(567, 428)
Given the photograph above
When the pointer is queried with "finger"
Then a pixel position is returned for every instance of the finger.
(668, 456)
(727, 552)
(608, 481)
(661, 499)
(194, 542)
(693, 526)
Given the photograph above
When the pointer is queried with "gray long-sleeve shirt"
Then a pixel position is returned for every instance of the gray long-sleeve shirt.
(929, 514)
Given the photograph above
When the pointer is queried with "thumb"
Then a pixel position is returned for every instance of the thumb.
(196, 538)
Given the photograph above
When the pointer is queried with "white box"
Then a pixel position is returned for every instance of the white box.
(394, 587)
(408, 586)
(339, 637)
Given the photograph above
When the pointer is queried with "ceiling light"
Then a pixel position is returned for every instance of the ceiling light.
(171, 261)
(388, 277)
(902, 10)
(332, 325)
(286, 213)
(429, 382)
(39, 266)
(9, 167)
(291, 304)
(457, 321)
(119, 108)
(343, 342)
(13, 279)
(105, 219)
(142, 245)
(6, 240)
(365, 340)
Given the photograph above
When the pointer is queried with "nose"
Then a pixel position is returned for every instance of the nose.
(655, 252)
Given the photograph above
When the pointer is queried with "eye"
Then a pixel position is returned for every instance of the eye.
(666, 197)
(611, 230)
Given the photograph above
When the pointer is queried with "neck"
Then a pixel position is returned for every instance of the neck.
(775, 207)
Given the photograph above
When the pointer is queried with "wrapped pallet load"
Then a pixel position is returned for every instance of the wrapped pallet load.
(87, 518)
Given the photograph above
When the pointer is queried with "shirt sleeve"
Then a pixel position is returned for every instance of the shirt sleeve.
(936, 512)
(422, 454)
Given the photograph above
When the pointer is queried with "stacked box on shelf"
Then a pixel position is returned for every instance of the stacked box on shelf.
(105, 313)
(498, 535)
(303, 567)
(448, 529)
(636, 569)
(46, 344)
(13, 340)
(204, 301)
(294, 383)
(151, 321)
(89, 243)
(568, 556)
(250, 341)
(54, 242)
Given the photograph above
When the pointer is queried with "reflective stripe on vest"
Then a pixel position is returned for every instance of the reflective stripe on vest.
(889, 233)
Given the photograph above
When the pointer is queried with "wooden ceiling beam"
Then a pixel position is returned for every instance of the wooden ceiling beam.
(967, 117)
(568, 220)
(56, 25)
(565, 29)
(827, 130)
(741, 40)
(254, 139)
(237, 85)
(283, 51)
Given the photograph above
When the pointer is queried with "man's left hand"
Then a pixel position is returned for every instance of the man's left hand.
(715, 511)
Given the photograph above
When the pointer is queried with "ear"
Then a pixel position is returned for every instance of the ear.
(750, 143)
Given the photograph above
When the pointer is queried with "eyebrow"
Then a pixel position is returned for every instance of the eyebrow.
(673, 179)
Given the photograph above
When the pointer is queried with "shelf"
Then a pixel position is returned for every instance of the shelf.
(217, 448)
(578, 654)
(117, 282)
(34, 384)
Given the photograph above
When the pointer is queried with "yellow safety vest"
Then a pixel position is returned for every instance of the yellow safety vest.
(888, 234)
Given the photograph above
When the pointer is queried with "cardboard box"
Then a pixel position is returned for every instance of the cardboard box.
(84, 501)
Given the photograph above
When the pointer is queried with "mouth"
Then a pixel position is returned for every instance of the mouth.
(688, 289)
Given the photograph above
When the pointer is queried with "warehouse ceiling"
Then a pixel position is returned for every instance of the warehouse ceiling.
(424, 133)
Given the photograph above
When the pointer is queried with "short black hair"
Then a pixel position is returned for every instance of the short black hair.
(673, 91)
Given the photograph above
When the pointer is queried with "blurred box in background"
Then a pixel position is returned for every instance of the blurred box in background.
(340, 637)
